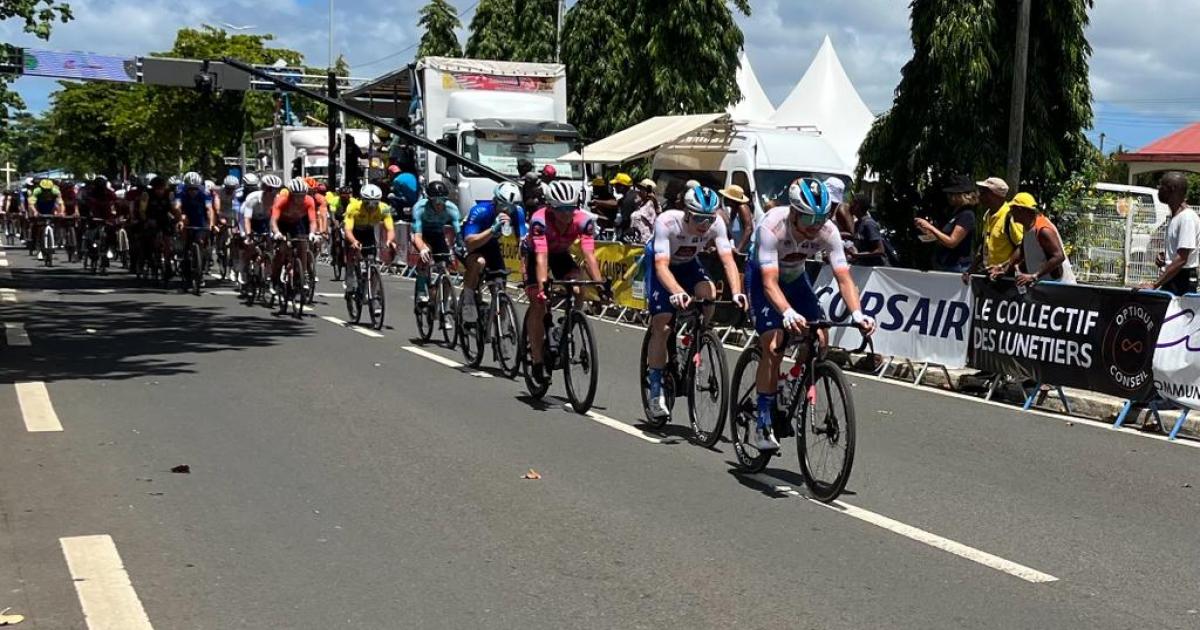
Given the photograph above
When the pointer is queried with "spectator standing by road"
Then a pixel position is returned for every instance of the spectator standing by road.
(1041, 255)
(954, 239)
(840, 212)
(623, 205)
(1181, 260)
(869, 250)
(739, 218)
(641, 228)
(1002, 234)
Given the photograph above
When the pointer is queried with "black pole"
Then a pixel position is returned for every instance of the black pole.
(331, 121)
(333, 103)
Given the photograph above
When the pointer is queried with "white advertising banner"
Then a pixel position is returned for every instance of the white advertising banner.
(1177, 354)
(922, 316)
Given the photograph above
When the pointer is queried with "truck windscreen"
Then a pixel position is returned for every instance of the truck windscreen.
(502, 153)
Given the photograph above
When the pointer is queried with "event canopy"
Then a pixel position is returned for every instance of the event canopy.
(754, 107)
(641, 139)
(1178, 151)
(826, 98)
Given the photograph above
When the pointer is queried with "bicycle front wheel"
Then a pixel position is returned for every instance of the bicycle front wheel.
(743, 412)
(708, 397)
(448, 311)
(376, 304)
(581, 367)
(536, 388)
(825, 433)
(470, 336)
(354, 299)
(668, 384)
(506, 335)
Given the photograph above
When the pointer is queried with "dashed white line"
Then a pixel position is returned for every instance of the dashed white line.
(366, 332)
(15, 334)
(105, 593)
(8, 295)
(613, 423)
(450, 363)
(3, 262)
(36, 409)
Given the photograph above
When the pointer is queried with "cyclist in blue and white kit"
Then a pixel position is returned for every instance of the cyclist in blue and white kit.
(781, 297)
(431, 216)
(481, 233)
(196, 205)
(676, 275)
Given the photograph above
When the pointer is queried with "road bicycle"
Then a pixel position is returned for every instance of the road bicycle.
(495, 324)
(94, 253)
(568, 345)
(293, 289)
(47, 241)
(368, 290)
(337, 249)
(124, 251)
(813, 403)
(69, 231)
(255, 286)
(194, 260)
(224, 244)
(440, 307)
(696, 369)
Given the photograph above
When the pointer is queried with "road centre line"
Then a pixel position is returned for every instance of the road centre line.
(3, 262)
(613, 423)
(36, 409)
(366, 332)
(15, 334)
(105, 593)
(450, 363)
(8, 295)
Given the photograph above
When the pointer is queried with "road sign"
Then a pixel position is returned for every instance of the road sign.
(184, 73)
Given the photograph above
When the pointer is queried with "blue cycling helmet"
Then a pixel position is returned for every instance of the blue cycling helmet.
(701, 200)
(809, 198)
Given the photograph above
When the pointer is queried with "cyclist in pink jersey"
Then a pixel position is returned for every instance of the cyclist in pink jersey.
(552, 230)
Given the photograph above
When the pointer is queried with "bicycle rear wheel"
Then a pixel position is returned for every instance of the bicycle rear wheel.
(426, 317)
(536, 388)
(825, 433)
(376, 305)
(668, 383)
(355, 299)
(506, 342)
(581, 367)
(743, 413)
(471, 336)
(298, 289)
(708, 396)
(448, 311)
(196, 278)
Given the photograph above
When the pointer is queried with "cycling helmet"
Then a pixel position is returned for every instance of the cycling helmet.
(298, 185)
(29, 183)
(561, 195)
(371, 192)
(250, 180)
(346, 190)
(100, 180)
(193, 179)
(157, 181)
(701, 200)
(549, 172)
(46, 184)
(231, 181)
(810, 199)
(393, 169)
(437, 189)
(173, 180)
(210, 184)
(507, 195)
(321, 188)
(272, 181)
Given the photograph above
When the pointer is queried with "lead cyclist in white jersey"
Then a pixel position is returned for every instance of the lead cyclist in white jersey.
(781, 297)
(675, 275)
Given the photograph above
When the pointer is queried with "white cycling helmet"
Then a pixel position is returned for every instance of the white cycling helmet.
(507, 195)
(701, 200)
(371, 192)
(298, 186)
(250, 179)
(561, 195)
(192, 178)
(272, 181)
(231, 181)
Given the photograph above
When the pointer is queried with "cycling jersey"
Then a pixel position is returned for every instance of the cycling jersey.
(293, 216)
(257, 208)
(195, 206)
(156, 208)
(231, 203)
(546, 237)
(673, 239)
(484, 215)
(46, 201)
(97, 204)
(336, 207)
(427, 218)
(359, 215)
(776, 246)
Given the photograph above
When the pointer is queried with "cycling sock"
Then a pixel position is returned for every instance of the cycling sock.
(765, 403)
(655, 377)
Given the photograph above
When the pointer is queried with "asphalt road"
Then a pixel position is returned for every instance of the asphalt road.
(343, 480)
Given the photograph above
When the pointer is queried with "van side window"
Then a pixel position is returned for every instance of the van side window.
(741, 178)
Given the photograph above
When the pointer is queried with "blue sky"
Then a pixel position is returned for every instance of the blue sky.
(1145, 77)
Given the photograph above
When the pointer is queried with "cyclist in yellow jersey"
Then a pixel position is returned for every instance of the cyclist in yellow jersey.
(359, 222)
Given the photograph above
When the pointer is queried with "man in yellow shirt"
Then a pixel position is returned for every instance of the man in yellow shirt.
(1001, 235)
(362, 215)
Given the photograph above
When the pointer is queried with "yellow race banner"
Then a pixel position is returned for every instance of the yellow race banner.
(619, 264)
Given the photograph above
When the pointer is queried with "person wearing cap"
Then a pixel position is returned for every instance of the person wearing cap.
(737, 206)
(641, 228)
(841, 212)
(1001, 233)
(548, 173)
(954, 240)
(1041, 255)
(624, 204)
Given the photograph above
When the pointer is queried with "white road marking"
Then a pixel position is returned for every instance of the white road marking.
(8, 295)
(3, 262)
(450, 363)
(36, 409)
(222, 292)
(15, 333)
(618, 425)
(366, 332)
(105, 593)
(933, 540)
(215, 275)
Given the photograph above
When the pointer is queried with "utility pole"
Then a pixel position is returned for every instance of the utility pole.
(1102, 145)
(558, 37)
(1016, 116)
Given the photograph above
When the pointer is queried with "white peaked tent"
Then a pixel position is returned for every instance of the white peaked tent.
(826, 98)
(754, 106)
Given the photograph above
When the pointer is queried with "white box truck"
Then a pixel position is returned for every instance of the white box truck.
(494, 112)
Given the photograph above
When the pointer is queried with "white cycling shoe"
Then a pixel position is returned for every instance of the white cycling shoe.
(765, 440)
(658, 407)
(470, 312)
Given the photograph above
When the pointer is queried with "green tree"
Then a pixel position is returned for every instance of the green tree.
(39, 17)
(951, 108)
(492, 33)
(440, 20)
(633, 59)
(85, 138)
(24, 142)
(537, 22)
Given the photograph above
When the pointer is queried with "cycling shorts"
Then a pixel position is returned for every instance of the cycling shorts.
(798, 293)
(492, 256)
(436, 241)
(365, 235)
(688, 275)
(260, 226)
(562, 267)
(293, 229)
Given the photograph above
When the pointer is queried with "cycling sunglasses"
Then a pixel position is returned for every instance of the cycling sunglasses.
(809, 220)
(702, 219)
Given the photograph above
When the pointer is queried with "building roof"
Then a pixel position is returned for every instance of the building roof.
(1181, 146)
(642, 139)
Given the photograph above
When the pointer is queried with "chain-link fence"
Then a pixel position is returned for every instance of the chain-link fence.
(1114, 239)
